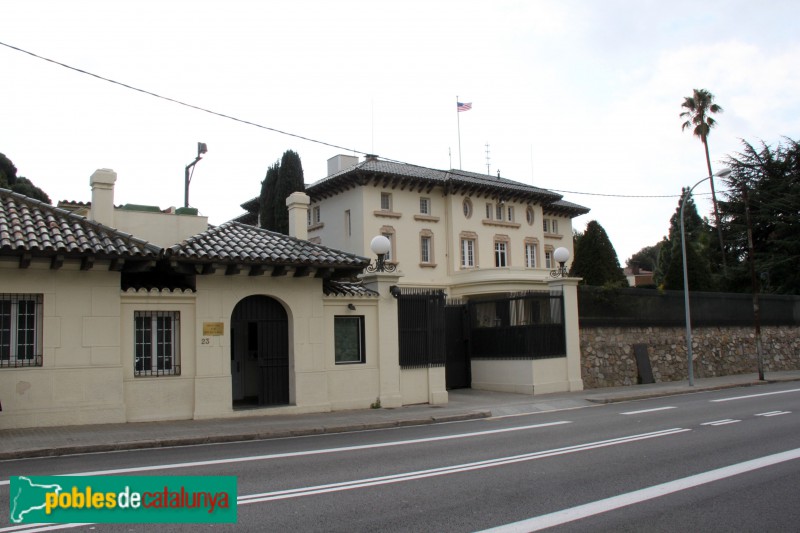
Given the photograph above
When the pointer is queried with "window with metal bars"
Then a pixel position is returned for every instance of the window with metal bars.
(156, 343)
(20, 330)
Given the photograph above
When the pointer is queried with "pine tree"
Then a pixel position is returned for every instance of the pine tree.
(697, 233)
(595, 258)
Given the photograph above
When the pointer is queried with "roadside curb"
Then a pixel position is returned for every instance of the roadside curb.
(239, 437)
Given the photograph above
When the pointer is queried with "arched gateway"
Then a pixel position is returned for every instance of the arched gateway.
(260, 352)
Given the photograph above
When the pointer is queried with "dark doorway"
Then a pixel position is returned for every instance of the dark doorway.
(259, 352)
(457, 369)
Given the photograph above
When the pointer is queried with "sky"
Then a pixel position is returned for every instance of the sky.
(577, 96)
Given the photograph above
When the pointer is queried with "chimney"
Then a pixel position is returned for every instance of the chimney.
(298, 202)
(102, 182)
(370, 157)
(341, 162)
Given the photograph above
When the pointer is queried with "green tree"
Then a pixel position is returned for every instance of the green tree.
(699, 108)
(770, 179)
(286, 178)
(669, 273)
(19, 184)
(595, 258)
(646, 258)
(266, 213)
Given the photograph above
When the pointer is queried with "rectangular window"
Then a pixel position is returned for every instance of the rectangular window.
(489, 211)
(510, 212)
(500, 254)
(499, 212)
(386, 201)
(546, 225)
(348, 228)
(317, 216)
(20, 330)
(467, 253)
(348, 333)
(554, 226)
(530, 255)
(390, 236)
(425, 249)
(425, 206)
(156, 340)
(548, 259)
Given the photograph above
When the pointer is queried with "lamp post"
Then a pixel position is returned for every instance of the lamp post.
(187, 175)
(380, 246)
(718, 174)
(561, 255)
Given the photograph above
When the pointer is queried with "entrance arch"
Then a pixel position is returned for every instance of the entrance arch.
(260, 352)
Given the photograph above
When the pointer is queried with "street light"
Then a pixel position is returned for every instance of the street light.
(719, 174)
(380, 246)
(561, 255)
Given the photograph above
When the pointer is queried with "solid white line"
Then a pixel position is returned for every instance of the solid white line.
(648, 410)
(755, 395)
(623, 500)
(422, 474)
(308, 452)
(33, 528)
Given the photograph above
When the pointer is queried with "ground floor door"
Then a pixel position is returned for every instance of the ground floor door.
(457, 368)
(259, 352)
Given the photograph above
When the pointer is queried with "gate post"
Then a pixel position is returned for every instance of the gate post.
(388, 339)
(569, 291)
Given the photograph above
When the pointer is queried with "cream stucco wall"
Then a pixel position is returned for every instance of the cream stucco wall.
(79, 380)
(162, 229)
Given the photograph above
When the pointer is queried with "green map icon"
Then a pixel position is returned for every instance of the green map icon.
(27, 497)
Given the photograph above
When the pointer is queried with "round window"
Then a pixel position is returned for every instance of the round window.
(529, 215)
(467, 207)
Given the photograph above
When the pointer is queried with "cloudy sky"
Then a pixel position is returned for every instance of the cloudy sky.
(570, 95)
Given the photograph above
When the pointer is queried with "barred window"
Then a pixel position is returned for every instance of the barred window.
(156, 343)
(20, 330)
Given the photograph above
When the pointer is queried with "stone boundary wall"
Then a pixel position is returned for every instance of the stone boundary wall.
(607, 358)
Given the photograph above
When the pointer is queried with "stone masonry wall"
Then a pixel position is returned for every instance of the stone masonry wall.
(607, 358)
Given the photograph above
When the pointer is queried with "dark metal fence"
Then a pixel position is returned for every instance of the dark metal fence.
(421, 327)
(525, 326)
(646, 307)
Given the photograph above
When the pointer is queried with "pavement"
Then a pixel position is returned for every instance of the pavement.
(464, 404)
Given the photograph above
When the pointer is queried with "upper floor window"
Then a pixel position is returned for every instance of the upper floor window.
(467, 253)
(550, 225)
(156, 343)
(20, 330)
(316, 217)
(466, 205)
(529, 215)
(530, 255)
(499, 211)
(489, 211)
(348, 228)
(548, 259)
(386, 201)
(510, 211)
(500, 254)
(425, 206)
(425, 249)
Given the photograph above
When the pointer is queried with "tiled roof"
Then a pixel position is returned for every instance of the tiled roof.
(233, 242)
(391, 174)
(346, 288)
(28, 226)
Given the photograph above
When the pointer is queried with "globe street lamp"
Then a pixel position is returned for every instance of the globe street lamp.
(561, 255)
(719, 174)
(380, 246)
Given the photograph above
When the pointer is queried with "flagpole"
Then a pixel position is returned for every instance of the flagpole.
(458, 120)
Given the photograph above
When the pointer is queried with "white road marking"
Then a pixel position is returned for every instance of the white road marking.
(774, 413)
(409, 476)
(720, 422)
(648, 410)
(210, 462)
(623, 500)
(755, 395)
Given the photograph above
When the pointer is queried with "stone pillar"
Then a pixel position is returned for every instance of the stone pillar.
(102, 182)
(298, 203)
(388, 339)
(569, 289)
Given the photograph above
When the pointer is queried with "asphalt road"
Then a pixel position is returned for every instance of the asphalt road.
(716, 461)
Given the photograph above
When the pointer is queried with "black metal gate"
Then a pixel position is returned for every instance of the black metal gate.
(457, 368)
(421, 328)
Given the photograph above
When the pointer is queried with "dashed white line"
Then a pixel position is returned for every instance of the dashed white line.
(774, 413)
(720, 422)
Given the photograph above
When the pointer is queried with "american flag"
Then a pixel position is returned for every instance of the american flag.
(464, 106)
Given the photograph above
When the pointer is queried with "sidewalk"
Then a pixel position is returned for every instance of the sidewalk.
(464, 404)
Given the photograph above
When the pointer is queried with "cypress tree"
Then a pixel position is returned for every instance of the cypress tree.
(266, 215)
(289, 180)
(595, 258)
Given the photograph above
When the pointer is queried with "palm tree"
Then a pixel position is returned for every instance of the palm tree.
(699, 108)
